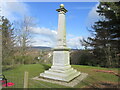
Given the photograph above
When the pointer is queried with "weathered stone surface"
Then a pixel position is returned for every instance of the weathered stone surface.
(61, 74)
(72, 83)
(61, 69)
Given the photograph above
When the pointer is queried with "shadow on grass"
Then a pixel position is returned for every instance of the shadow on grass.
(46, 67)
(89, 84)
(100, 84)
(9, 67)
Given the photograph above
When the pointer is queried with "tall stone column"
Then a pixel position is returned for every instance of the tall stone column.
(61, 27)
(61, 68)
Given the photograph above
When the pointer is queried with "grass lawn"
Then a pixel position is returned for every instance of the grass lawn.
(94, 79)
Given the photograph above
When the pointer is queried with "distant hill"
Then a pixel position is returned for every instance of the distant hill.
(41, 47)
(45, 48)
(49, 48)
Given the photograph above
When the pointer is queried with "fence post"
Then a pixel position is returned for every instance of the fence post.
(26, 79)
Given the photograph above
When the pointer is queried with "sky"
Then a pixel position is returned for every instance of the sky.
(79, 18)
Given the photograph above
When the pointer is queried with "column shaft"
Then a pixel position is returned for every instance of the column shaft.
(61, 30)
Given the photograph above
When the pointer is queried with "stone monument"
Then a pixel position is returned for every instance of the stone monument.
(61, 68)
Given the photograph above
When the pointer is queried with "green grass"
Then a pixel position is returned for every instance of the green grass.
(16, 75)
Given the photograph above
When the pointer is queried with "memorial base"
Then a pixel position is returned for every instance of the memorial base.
(61, 73)
(61, 68)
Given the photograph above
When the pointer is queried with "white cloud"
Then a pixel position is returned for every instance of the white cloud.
(92, 16)
(74, 42)
(14, 10)
(47, 37)
(45, 32)
(71, 35)
(44, 36)
(42, 41)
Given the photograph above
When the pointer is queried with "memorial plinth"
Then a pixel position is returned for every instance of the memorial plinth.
(61, 68)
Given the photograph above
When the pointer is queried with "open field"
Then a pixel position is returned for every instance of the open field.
(94, 79)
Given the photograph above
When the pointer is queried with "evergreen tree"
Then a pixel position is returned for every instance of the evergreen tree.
(106, 32)
(7, 40)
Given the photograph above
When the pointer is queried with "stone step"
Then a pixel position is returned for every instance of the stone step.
(61, 70)
(61, 76)
(62, 67)
(58, 73)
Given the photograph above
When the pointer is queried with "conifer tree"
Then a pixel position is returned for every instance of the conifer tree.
(8, 40)
(106, 32)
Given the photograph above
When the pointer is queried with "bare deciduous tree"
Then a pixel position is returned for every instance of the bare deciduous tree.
(23, 32)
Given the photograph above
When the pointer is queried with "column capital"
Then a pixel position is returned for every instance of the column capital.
(62, 9)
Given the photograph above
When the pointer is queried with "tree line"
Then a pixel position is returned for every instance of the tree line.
(105, 40)
(16, 38)
(17, 41)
